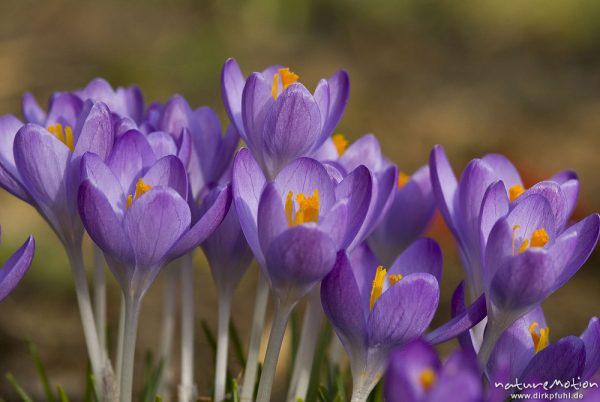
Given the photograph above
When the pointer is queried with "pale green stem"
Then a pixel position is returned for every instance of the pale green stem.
(222, 345)
(100, 296)
(132, 313)
(280, 320)
(306, 350)
(187, 388)
(120, 339)
(172, 273)
(258, 323)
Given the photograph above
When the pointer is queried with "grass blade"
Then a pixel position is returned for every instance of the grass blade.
(41, 372)
(236, 343)
(19, 390)
(62, 396)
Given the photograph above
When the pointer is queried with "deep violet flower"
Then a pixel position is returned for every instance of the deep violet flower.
(125, 102)
(374, 310)
(460, 203)
(16, 267)
(416, 374)
(278, 118)
(134, 206)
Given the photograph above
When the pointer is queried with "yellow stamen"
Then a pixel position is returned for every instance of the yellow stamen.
(141, 188)
(377, 288)
(394, 278)
(539, 238)
(524, 246)
(340, 142)
(514, 232)
(287, 78)
(515, 191)
(427, 378)
(541, 340)
(64, 135)
(308, 208)
(403, 178)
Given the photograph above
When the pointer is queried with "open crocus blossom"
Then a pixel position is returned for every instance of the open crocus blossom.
(373, 310)
(16, 267)
(278, 118)
(416, 374)
(460, 202)
(527, 258)
(524, 354)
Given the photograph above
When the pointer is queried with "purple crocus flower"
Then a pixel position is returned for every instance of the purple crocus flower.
(278, 118)
(134, 206)
(41, 165)
(373, 310)
(16, 267)
(416, 374)
(460, 202)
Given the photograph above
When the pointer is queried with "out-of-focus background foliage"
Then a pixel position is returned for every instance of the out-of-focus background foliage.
(520, 78)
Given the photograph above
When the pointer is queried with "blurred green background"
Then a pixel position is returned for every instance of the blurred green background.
(520, 78)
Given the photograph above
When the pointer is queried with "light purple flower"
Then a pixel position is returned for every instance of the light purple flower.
(373, 310)
(416, 374)
(134, 206)
(295, 224)
(42, 167)
(278, 118)
(16, 267)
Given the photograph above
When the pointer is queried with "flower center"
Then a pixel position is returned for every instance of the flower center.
(515, 191)
(308, 208)
(141, 188)
(377, 288)
(403, 178)
(427, 378)
(340, 142)
(287, 78)
(64, 135)
(539, 238)
(541, 338)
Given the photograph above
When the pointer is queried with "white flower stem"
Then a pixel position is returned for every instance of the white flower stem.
(258, 323)
(168, 328)
(132, 313)
(120, 339)
(100, 296)
(222, 345)
(187, 388)
(306, 350)
(87, 316)
(280, 320)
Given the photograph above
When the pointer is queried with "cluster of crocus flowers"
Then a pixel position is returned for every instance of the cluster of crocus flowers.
(328, 220)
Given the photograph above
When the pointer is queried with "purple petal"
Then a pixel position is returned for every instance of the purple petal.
(321, 96)
(94, 131)
(153, 223)
(364, 264)
(356, 187)
(232, 87)
(563, 360)
(532, 213)
(176, 115)
(162, 144)
(404, 311)
(493, 207)
(16, 267)
(205, 226)
(339, 92)
(185, 147)
(105, 227)
(292, 270)
(342, 303)
(460, 323)
(305, 175)
(292, 126)
(569, 184)
(364, 151)
(10, 179)
(591, 340)
(326, 152)
(256, 103)
(130, 159)
(458, 307)
(556, 199)
(247, 184)
(64, 109)
(335, 223)
(31, 109)
(444, 184)
(402, 382)
(168, 172)
(271, 216)
(503, 169)
(424, 255)
(124, 125)
(99, 175)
